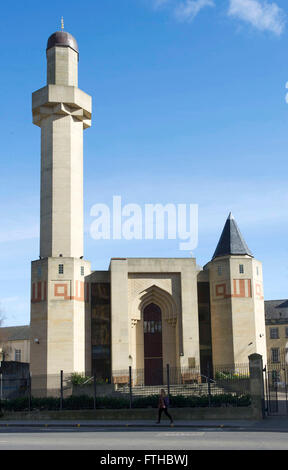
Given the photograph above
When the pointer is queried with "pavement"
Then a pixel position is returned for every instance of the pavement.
(146, 436)
(269, 424)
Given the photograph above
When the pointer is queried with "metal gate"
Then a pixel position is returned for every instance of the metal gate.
(276, 388)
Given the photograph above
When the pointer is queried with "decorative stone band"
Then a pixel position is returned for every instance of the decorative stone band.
(39, 291)
(241, 288)
(259, 291)
(61, 290)
(64, 290)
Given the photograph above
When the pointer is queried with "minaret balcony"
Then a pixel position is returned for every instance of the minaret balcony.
(61, 100)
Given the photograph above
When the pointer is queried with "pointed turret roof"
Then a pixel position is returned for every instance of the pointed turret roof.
(231, 241)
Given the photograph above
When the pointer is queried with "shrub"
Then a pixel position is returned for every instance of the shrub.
(85, 402)
(144, 402)
(113, 403)
(78, 379)
(82, 402)
(227, 375)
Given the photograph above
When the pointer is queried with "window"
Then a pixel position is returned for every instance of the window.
(82, 270)
(61, 269)
(275, 354)
(286, 332)
(219, 270)
(101, 330)
(39, 272)
(274, 333)
(241, 268)
(257, 271)
(18, 355)
(152, 326)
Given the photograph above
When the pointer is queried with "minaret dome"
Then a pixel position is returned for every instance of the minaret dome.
(62, 39)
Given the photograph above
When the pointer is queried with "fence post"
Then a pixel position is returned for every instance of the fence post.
(257, 385)
(268, 379)
(1, 385)
(29, 392)
(286, 391)
(1, 389)
(276, 395)
(209, 384)
(61, 389)
(168, 379)
(130, 387)
(94, 391)
(266, 385)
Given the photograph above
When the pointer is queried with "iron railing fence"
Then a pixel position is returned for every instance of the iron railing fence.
(224, 385)
(276, 384)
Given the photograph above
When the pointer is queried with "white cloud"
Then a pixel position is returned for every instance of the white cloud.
(160, 3)
(261, 14)
(184, 10)
(264, 15)
(188, 9)
(20, 233)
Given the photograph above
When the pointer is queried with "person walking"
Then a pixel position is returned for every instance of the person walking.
(163, 406)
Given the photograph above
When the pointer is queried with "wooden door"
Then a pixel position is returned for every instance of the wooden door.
(153, 356)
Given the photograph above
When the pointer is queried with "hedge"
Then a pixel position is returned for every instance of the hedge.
(85, 402)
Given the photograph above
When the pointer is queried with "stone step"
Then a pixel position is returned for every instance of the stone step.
(198, 389)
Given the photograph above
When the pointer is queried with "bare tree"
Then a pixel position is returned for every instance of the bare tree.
(2, 317)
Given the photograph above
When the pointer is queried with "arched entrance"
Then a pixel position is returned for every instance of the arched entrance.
(153, 351)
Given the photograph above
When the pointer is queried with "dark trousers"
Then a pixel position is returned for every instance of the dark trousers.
(166, 413)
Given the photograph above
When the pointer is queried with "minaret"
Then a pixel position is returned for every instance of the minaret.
(62, 111)
(236, 299)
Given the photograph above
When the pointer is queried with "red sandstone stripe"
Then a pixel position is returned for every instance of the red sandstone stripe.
(242, 287)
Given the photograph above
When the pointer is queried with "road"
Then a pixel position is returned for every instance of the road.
(29, 438)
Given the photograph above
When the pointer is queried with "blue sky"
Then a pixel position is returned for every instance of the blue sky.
(188, 107)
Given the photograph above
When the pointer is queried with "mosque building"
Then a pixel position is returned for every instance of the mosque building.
(141, 312)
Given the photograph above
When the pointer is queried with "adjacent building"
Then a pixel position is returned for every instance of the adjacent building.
(276, 318)
(15, 343)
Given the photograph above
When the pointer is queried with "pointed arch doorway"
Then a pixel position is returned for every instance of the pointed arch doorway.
(153, 348)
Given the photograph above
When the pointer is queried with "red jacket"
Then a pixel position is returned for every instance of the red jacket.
(161, 403)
